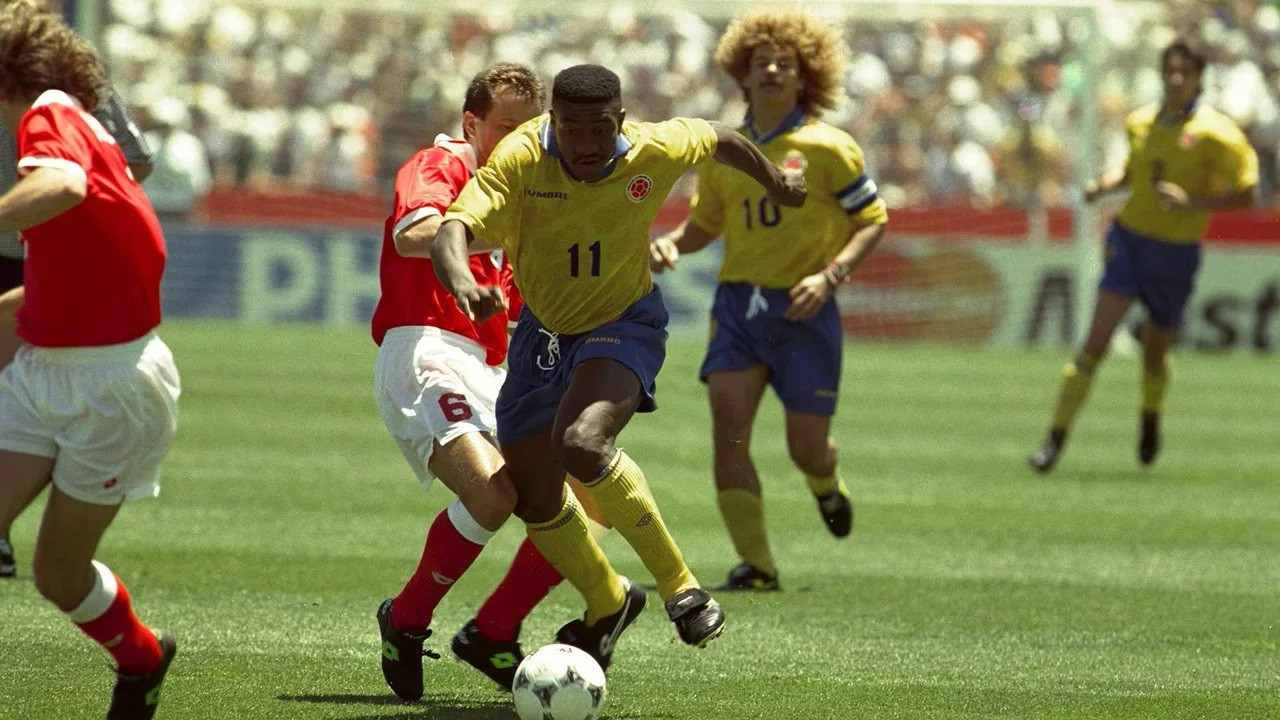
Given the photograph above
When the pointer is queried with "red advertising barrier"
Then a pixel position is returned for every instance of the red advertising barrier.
(310, 210)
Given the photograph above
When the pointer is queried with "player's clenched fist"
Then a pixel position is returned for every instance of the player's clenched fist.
(663, 254)
(791, 192)
(480, 302)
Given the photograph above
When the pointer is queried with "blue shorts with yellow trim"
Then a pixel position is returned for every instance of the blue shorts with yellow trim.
(540, 363)
(749, 330)
(1161, 274)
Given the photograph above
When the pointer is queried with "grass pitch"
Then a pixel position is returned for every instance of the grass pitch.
(970, 588)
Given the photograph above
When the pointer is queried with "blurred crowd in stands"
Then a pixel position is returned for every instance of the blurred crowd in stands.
(950, 109)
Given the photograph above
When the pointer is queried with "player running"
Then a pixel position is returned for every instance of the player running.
(89, 403)
(1186, 160)
(437, 375)
(774, 319)
(115, 118)
(570, 197)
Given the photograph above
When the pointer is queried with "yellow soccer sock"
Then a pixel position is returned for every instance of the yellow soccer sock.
(743, 513)
(566, 543)
(1077, 378)
(822, 485)
(624, 499)
(1153, 387)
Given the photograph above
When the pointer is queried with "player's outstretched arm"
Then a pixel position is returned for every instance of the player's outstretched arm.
(739, 153)
(1108, 183)
(44, 194)
(10, 302)
(665, 250)
(449, 257)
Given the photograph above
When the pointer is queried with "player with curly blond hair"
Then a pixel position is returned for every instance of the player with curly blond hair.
(774, 319)
(88, 406)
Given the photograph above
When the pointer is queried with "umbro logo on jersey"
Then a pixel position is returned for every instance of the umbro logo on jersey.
(639, 187)
(547, 194)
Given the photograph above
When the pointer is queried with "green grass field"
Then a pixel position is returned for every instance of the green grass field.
(970, 588)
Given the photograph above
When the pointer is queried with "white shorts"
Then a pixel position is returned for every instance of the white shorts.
(107, 415)
(433, 386)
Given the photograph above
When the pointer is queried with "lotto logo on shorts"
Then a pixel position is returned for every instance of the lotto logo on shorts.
(639, 187)
(110, 483)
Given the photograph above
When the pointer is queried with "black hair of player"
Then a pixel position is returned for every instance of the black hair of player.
(1186, 49)
(587, 84)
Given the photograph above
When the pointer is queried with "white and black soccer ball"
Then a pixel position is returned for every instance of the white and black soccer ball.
(559, 682)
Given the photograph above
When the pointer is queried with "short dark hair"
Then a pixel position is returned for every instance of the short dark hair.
(1187, 49)
(587, 84)
(521, 80)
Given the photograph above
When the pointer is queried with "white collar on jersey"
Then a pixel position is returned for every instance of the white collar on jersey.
(460, 148)
(57, 97)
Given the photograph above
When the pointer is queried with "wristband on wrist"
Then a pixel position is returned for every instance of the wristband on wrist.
(838, 273)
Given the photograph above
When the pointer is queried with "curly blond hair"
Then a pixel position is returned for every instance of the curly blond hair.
(817, 46)
(39, 52)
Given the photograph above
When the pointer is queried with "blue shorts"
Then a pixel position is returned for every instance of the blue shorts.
(1160, 274)
(540, 363)
(748, 330)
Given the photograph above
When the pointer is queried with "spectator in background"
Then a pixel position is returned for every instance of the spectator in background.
(1032, 161)
(181, 174)
(268, 80)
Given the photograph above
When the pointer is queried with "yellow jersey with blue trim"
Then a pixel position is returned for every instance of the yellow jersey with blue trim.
(1202, 151)
(579, 251)
(776, 247)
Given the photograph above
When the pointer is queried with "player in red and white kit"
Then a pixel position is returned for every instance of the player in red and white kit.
(89, 403)
(438, 373)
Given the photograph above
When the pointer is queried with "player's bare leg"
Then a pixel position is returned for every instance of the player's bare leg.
(490, 641)
(9, 343)
(96, 600)
(25, 476)
(472, 468)
(814, 451)
(1077, 377)
(735, 399)
(601, 398)
(1156, 341)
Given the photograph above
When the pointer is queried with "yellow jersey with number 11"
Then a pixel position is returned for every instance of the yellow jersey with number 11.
(776, 247)
(579, 250)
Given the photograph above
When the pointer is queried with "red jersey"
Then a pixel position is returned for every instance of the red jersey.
(427, 185)
(92, 274)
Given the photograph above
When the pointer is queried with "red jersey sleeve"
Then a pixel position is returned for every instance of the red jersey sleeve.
(54, 136)
(426, 186)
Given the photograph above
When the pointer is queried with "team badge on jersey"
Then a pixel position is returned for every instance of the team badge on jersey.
(796, 161)
(1186, 141)
(639, 187)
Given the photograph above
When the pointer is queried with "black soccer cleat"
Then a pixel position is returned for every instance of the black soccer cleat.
(1149, 441)
(8, 566)
(494, 659)
(402, 655)
(744, 577)
(1046, 456)
(136, 697)
(600, 640)
(837, 511)
(698, 618)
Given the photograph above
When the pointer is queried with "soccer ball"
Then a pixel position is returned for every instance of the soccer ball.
(559, 682)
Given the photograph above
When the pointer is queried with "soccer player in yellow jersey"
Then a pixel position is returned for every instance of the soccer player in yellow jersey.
(1186, 160)
(570, 198)
(774, 318)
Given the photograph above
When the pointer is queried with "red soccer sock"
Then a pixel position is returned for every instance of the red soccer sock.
(528, 581)
(106, 615)
(453, 544)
